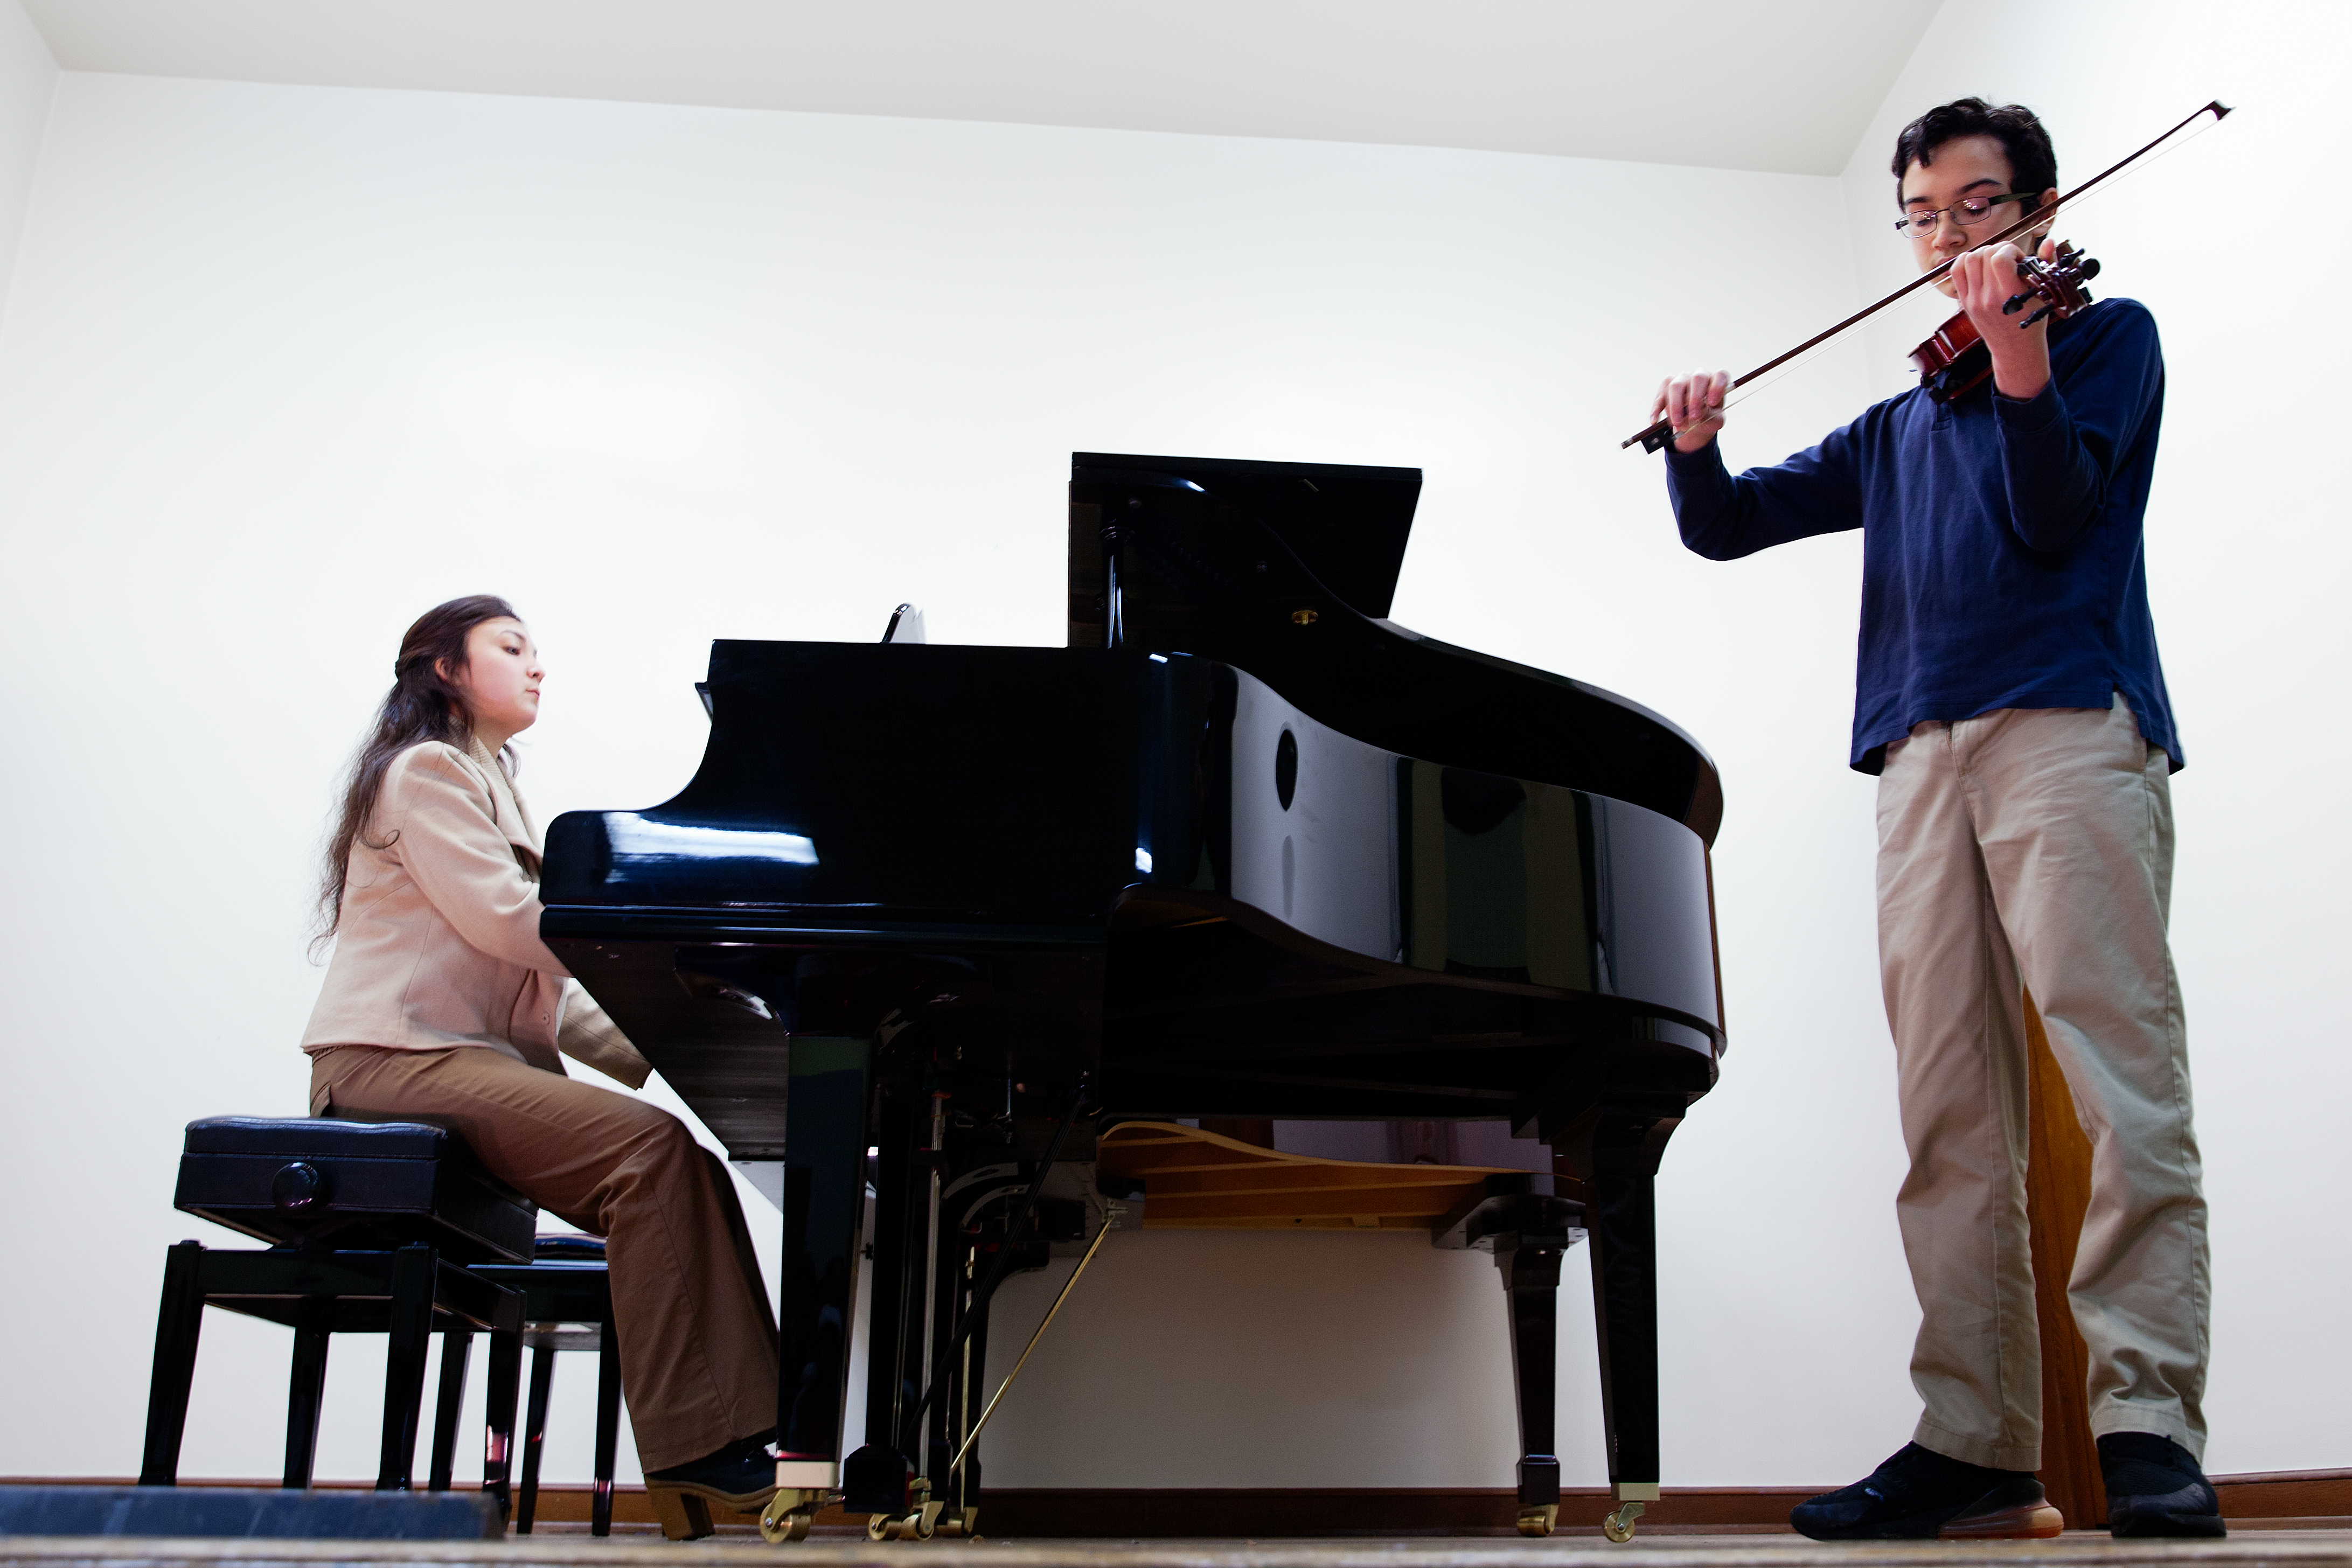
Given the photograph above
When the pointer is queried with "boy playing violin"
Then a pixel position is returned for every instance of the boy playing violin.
(2010, 699)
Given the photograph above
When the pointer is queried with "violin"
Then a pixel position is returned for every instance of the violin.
(1955, 359)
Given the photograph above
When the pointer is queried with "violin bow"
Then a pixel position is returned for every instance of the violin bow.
(1657, 434)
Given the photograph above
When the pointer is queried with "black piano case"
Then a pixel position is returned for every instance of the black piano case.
(365, 1186)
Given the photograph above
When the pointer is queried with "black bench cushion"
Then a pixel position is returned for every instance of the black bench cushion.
(319, 1181)
(308, 1137)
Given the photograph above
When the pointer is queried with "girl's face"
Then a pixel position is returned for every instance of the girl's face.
(500, 680)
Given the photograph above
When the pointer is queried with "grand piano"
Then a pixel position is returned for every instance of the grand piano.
(1244, 852)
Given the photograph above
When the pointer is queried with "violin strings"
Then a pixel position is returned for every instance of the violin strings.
(2137, 168)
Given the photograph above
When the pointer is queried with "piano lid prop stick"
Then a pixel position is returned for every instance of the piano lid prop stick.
(1111, 1213)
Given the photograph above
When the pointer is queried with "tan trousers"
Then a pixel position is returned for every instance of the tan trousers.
(2032, 848)
(698, 1340)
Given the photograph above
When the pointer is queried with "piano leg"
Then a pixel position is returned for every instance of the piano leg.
(1623, 1216)
(1610, 1149)
(825, 1211)
(971, 1398)
(948, 1286)
(1530, 1269)
(877, 1479)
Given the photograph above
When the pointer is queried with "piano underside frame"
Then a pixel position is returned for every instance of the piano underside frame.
(1198, 1180)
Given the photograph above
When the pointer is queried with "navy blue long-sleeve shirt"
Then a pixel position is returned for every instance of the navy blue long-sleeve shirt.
(2001, 560)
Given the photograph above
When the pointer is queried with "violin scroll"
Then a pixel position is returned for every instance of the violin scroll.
(2057, 282)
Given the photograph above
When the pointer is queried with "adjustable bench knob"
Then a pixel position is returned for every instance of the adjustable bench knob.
(298, 1188)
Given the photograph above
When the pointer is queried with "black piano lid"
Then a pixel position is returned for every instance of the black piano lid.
(1220, 550)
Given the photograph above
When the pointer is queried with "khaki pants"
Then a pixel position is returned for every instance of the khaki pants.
(2032, 848)
(698, 1341)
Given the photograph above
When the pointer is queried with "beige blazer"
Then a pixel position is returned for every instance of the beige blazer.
(438, 940)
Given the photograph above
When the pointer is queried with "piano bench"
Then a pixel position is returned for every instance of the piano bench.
(312, 1181)
(374, 1224)
(567, 1295)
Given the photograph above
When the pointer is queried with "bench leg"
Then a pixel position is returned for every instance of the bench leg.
(497, 1444)
(456, 1349)
(306, 1389)
(177, 1324)
(534, 1435)
(608, 1418)
(416, 1271)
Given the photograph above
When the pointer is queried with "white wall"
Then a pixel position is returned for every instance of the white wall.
(28, 78)
(2248, 552)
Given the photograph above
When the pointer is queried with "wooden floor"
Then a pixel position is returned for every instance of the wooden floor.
(2248, 1549)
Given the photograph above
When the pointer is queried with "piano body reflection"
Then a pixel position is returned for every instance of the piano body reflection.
(1244, 851)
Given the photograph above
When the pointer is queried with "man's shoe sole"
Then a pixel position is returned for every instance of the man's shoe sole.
(2015, 1510)
(2023, 1522)
(2178, 1514)
(2156, 1523)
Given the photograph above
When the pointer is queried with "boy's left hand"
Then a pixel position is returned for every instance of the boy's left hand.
(1985, 280)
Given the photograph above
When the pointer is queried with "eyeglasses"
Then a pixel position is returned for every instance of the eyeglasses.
(1968, 214)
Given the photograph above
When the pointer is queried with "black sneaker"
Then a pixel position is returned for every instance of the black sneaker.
(1920, 1495)
(2155, 1487)
(741, 1476)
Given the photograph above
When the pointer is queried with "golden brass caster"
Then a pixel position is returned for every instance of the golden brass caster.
(1619, 1526)
(920, 1524)
(1537, 1519)
(788, 1514)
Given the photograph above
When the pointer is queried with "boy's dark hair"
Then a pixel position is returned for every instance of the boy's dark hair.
(2032, 162)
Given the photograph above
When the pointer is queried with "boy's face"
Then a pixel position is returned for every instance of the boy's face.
(1965, 167)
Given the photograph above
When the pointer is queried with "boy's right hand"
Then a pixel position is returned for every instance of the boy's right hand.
(1693, 405)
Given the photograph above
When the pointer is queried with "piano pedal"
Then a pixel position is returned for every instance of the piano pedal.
(1538, 1519)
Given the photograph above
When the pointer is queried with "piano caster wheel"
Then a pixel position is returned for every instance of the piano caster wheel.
(920, 1524)
(788, 1515)
(1538, 1519)
(792, 1524)
(964, 1525)
(1619, 1526)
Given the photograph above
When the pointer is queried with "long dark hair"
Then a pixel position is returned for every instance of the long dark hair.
(423, 704)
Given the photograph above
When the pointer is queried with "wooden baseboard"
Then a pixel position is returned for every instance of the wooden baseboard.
(2266, 1499)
